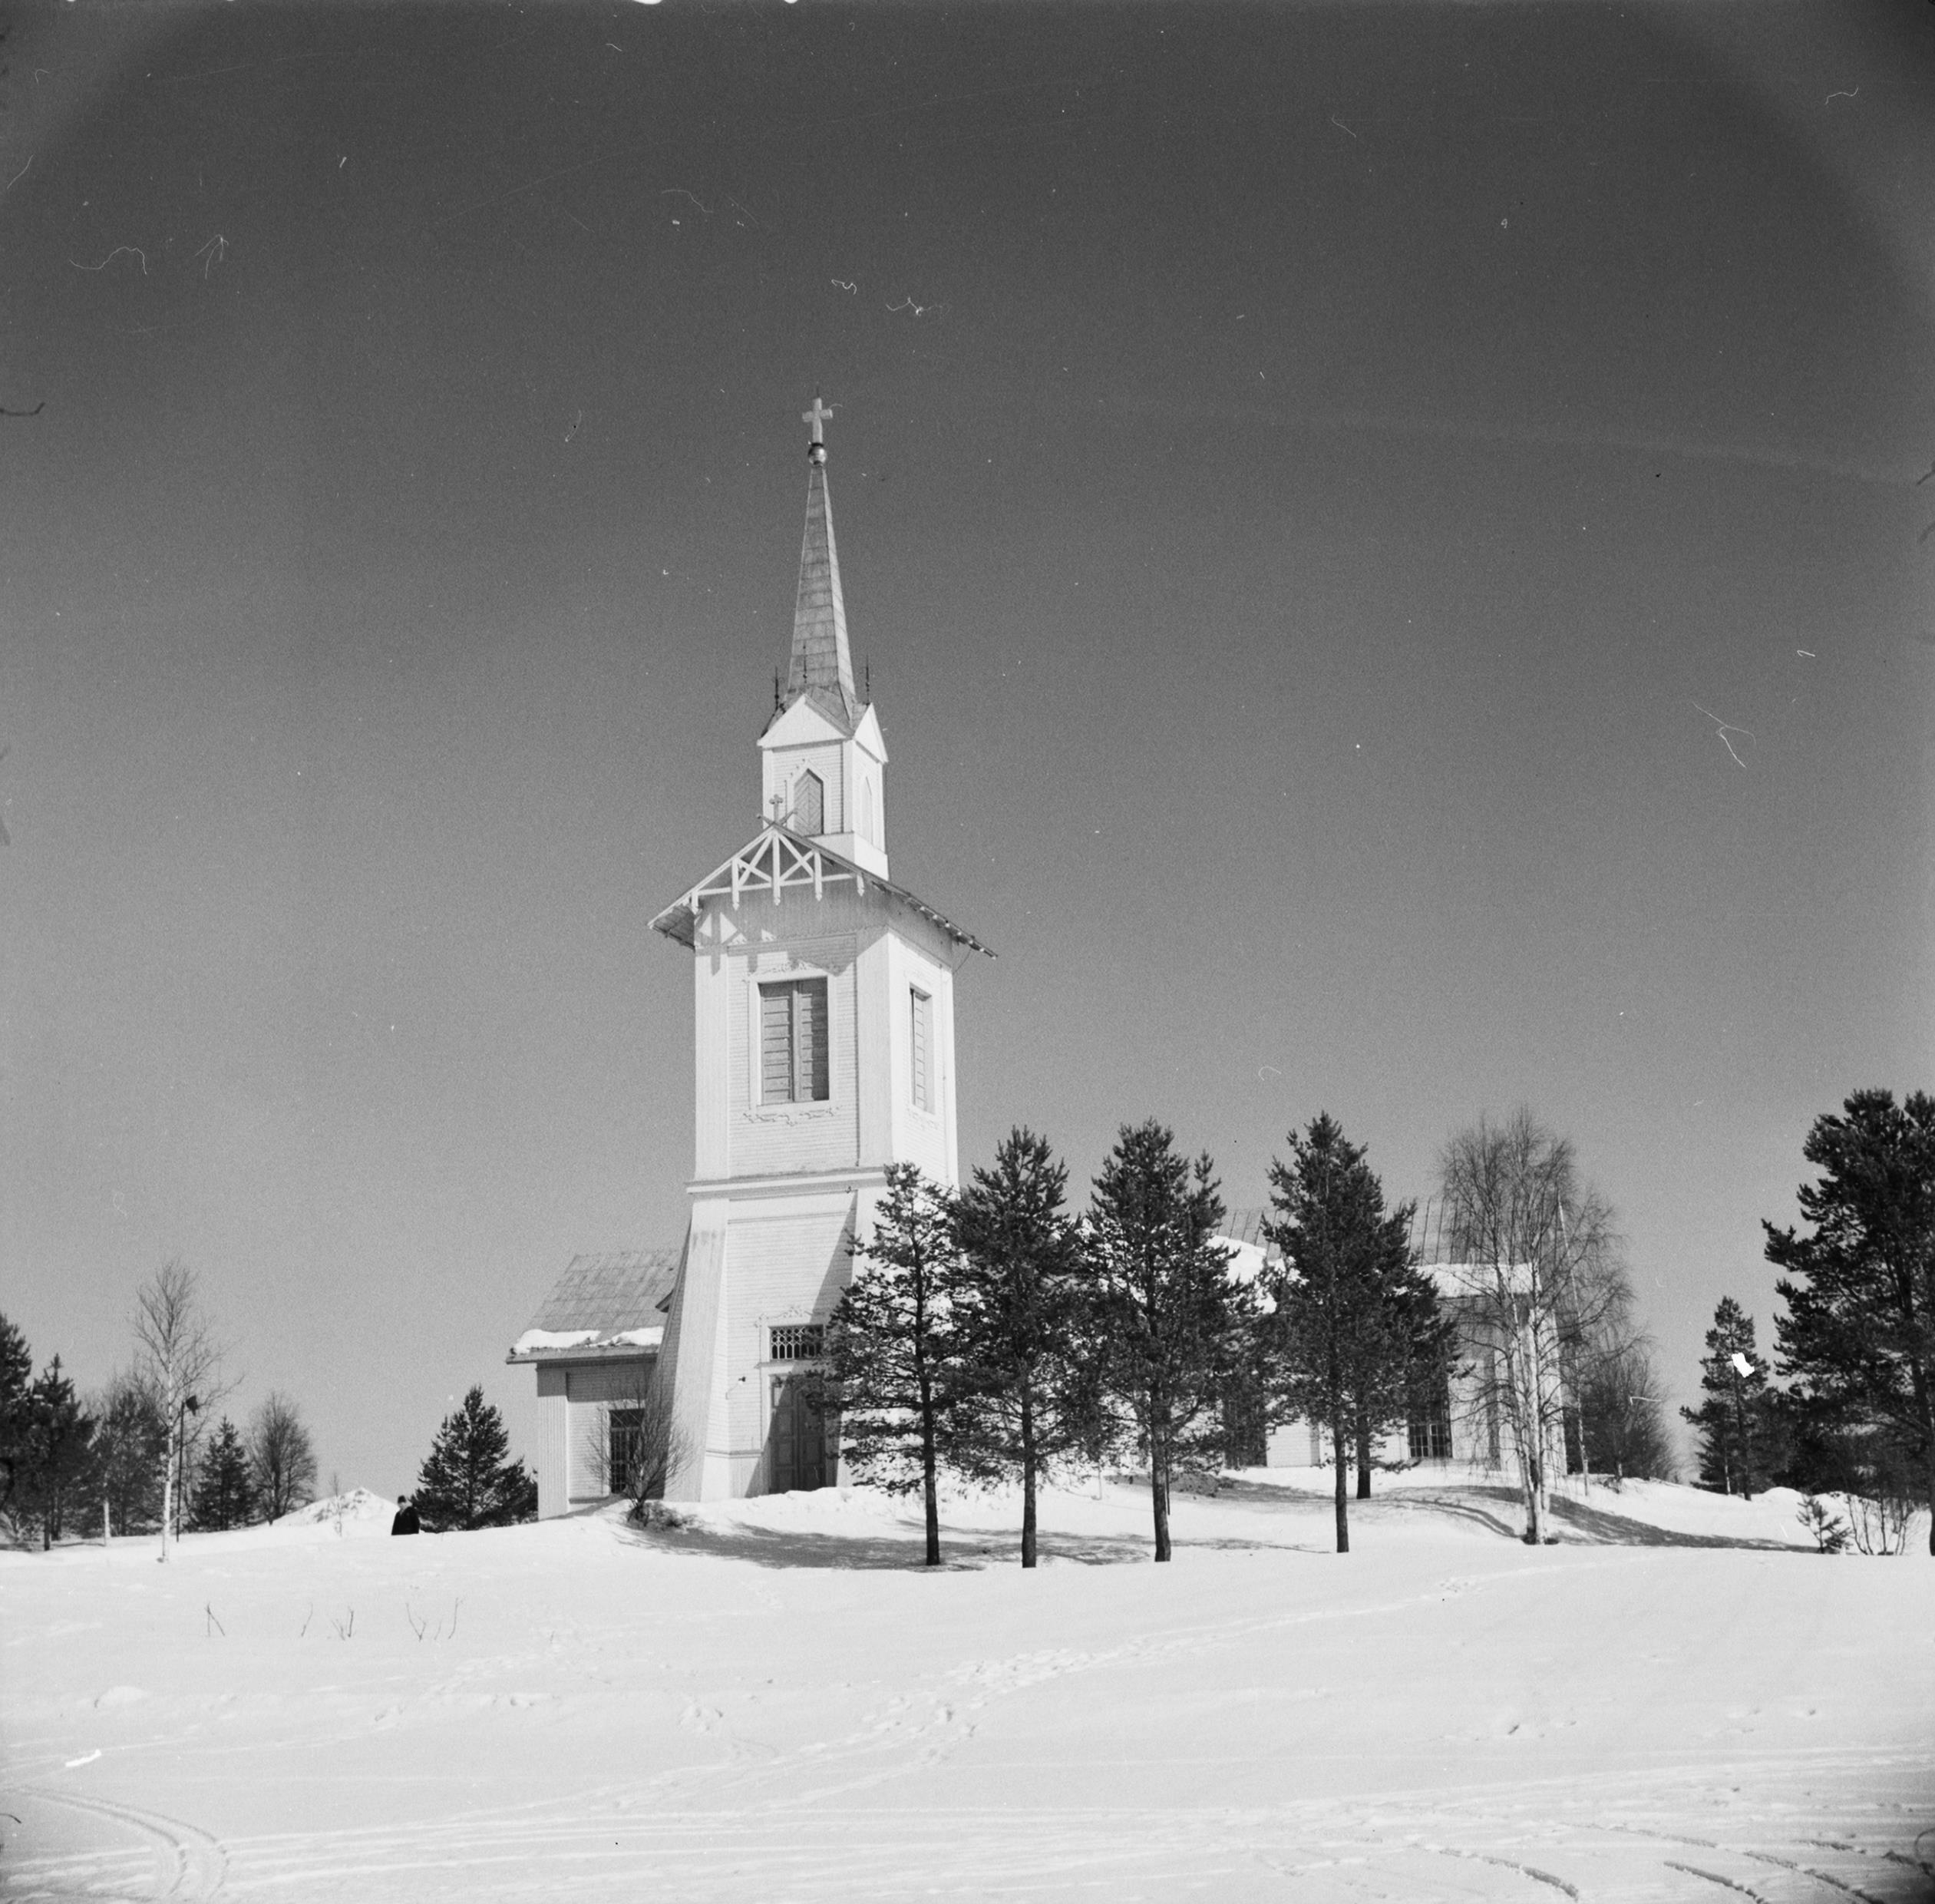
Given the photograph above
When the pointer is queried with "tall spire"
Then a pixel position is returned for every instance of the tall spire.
(821, 659)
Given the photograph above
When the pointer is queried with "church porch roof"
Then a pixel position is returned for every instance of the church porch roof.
(608, 1303)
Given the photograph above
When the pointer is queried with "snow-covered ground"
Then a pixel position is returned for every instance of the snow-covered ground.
(771, 1703)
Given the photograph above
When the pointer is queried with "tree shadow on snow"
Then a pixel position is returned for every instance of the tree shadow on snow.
(962, 1549)
(1499, 1510)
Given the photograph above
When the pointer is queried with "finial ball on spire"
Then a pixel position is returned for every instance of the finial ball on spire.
(816, 418)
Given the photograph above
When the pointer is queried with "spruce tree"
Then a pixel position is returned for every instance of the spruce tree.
(891, 1373)
(16, 1376)
(58, 1446)
(1859, 1334)
(467, 1482)
(1733, 1420)
(1355, 1330)
(225, 1491)
(1167, 1321)
(127, 1452)
(1018, 1316)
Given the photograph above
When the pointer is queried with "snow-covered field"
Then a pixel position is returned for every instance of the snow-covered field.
(1680, 1701)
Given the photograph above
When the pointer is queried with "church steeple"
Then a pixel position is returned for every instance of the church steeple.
(822, 663)
(823, 759)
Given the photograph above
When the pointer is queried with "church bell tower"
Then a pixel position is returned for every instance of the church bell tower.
(823, 1051)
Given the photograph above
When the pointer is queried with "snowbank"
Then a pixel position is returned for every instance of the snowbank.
(773, 1699)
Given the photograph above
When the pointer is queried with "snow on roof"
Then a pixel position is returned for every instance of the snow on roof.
(609, 1302)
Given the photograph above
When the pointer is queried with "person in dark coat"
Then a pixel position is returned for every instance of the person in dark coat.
(406, 1521)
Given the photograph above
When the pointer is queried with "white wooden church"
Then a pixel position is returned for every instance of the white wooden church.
(823, 1051)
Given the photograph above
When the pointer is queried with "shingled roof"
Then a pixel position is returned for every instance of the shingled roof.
(610, 1303)
(822, 664)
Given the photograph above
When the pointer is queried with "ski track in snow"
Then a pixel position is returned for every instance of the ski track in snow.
(1042, 1772)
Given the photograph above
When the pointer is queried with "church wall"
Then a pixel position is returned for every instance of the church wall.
(554, 1411)
(787, 1261)
(872, 979)
(827, 760)
(768, 1140)
(716, 981)
(594, 1387)
(572, 1397)
(919, 1137)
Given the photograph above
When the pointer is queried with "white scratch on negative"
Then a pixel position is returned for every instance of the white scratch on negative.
(1342, 127)
(1832, 96)
(841, 284)
(18, 175)
(1723, 729)
(213, 252)
(110, 257)
(679, 191)
(918, 310)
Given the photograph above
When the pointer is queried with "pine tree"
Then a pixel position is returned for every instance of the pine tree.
(891, 1373)
(1355, 1330)
(1168, 1320)
(1017, 1315)
(1859, 1334)
(465, 1481)
(58, 1445)
(1733, 1420)
(225, 1491)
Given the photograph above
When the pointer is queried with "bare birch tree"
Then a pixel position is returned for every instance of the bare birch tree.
(1538, 1269)
(182, 1362)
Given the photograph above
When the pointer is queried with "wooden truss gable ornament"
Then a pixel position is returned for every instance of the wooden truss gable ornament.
(779, 861)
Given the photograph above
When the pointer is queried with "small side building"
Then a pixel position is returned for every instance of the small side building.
(595, 1343)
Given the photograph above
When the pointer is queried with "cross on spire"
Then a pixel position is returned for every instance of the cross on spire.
(816, 418)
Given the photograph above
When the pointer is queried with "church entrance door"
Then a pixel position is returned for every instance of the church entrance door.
(802, 1455)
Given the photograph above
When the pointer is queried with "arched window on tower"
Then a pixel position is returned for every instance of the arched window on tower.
(809, 804)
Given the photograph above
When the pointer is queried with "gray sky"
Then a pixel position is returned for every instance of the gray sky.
(1311, 484)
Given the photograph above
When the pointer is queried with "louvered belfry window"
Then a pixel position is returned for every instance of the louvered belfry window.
(793, 1068)
(809, 804)
(922, 1049)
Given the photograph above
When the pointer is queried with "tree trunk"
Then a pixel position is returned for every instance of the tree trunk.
(1363, 1454)
(1028, 1477)
(1931, 1496)
(929, 1490)
(1159, 1490)
(1343, 1489)
(1928, 1442)
(168, 1488)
